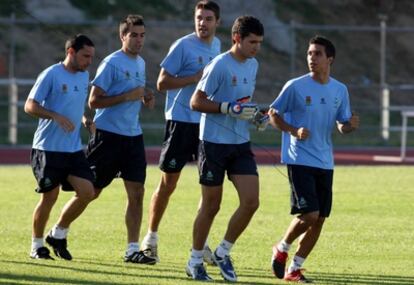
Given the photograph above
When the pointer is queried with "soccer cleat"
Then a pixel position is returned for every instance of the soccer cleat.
(296, 276)
(151, 251)
(208, 256)
(226, 267)
(139, 257)
(59, 247)
(197, 272)
(41, 253)
(279, 262)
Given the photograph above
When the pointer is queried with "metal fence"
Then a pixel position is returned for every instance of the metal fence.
(380, 91)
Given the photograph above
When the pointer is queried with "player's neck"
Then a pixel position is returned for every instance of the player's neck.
(321, 77)
(68, 66)
(237, 55)
(206, 40)
(128, 53)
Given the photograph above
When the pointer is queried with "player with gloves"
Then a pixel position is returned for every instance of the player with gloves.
(223, 96)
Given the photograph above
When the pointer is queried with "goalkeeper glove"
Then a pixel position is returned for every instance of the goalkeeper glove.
(242, 111)
(260, 120)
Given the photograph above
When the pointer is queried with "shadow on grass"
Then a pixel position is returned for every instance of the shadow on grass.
(362, 279)
(169, 271)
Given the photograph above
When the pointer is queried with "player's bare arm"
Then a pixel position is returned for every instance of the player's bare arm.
(99, 99)
(167, 81)
(199, 102)
(349, 126)
(34, 109)
(279, 123)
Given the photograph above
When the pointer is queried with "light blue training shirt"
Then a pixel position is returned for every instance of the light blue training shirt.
(65, 93)
(304, 102)
(227, 80)
(186, 57)
(117, 74)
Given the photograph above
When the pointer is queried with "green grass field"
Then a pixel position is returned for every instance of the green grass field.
(367, 240)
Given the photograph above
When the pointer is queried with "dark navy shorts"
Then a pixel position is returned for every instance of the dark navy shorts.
(52, 168)
(311, 189)
(214, 160)
(180, 145)
(111, 155)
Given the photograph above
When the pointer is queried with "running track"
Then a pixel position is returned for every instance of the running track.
(265, 155)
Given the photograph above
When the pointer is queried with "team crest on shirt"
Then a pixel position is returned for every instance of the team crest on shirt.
(308, 100)
(64, 88)
(234, 80)
(200, 60)
(245, 80)
(75, 89)
(323, 100)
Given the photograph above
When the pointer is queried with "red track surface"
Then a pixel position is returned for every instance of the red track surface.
(380, 156)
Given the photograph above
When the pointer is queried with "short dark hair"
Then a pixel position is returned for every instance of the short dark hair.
(209, 5)
(329, 47)
(78, 42)
(245, 25)
(130, 20)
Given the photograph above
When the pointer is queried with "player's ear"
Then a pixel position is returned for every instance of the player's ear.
(236, 38)
(70, 51)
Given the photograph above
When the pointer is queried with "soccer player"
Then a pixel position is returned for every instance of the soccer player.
(224, 96)
(306, 110)
(180, 71)
(117, 147)
(58, 100)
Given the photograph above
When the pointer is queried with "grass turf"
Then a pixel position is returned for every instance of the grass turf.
(367, 240)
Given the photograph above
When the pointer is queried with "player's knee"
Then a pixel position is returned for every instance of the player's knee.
(251, 205)
(211, 210)
(87, 194)
(310, 218)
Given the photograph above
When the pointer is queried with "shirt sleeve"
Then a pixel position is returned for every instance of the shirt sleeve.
(173, 61)
(212, 79)
(344, 110)
(42, 87)
(104, 76)
(284, 101)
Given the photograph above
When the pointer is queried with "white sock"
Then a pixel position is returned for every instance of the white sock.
(296, 263)
(59, 232)
(37, 243)
(132, 247)
(283, 246)
(224, 248)
(206, 244)
(151, 238)
(196, 257)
